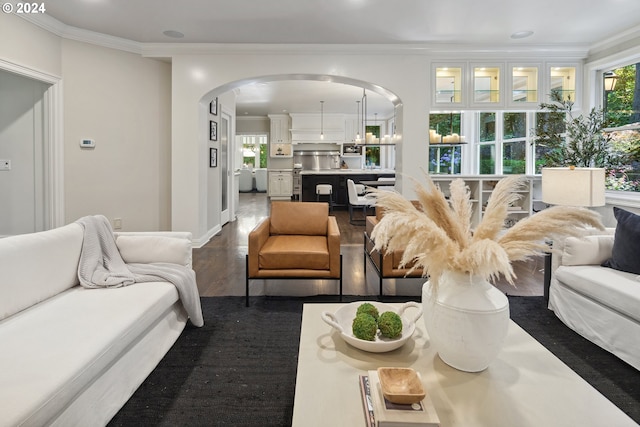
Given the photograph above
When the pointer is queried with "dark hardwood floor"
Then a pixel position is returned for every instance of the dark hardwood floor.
(220, 264)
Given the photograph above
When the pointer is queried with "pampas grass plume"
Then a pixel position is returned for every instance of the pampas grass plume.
(438, 237)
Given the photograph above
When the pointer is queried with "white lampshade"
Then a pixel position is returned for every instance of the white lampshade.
(573, 186)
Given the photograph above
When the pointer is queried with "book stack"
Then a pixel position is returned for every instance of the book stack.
(379, 412)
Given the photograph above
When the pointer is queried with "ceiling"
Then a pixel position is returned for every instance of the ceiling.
(385, 22)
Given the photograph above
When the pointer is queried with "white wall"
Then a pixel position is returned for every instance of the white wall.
(123, 102)
(21, 142)
(30, 46)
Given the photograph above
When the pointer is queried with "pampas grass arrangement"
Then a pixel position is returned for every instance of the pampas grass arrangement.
(438, 237)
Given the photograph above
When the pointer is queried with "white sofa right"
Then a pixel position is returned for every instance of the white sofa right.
(600, 303)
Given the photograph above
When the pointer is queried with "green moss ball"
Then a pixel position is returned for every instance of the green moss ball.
(364, 327)
(369, 309)
(390, 324)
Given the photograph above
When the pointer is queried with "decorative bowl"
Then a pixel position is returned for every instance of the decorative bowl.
(342, 321)
(401, 385)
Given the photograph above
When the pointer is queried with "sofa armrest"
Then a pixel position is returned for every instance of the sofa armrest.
(146, 247)
(333, 243)
(257, 238)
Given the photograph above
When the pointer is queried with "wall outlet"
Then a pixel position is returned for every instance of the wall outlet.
(5, 165)
(117, 223)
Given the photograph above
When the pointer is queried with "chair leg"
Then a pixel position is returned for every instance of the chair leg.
(246, 281)
(340, 277)
(364, 258)
(380, 277)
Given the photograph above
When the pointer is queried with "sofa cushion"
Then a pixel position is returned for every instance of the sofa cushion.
(148, 249)
(587, 250)
(612, 288)
(626, 248)
(53, 351)
(299, 218)
(295, 252)
(37, 266)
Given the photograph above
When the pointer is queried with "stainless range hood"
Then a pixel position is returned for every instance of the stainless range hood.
(317, 159)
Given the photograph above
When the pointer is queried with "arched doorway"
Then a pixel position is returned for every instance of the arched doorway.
(371, 89)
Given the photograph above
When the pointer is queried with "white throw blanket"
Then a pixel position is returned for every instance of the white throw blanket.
(101, 266)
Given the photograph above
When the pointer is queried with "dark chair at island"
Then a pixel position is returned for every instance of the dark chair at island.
(386, 264)
(299, 240)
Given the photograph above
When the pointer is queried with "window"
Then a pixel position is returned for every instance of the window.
(487, 139)
(548, 125)
(445, 128)
(372, 154)
(503, 138)
(487, 159)
(514, 148)
(254, 150)
(445, 159)
(621, 107)
(445, 151)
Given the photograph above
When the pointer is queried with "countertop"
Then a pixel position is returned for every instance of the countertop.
(349, 172)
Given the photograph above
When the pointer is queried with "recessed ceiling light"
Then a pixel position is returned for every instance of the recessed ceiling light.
(521, 34)
(173, 34)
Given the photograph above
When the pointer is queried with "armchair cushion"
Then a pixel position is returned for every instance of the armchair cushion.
(300, 252)
(307, 219)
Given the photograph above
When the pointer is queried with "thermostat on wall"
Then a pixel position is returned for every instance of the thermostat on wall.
(87, 143)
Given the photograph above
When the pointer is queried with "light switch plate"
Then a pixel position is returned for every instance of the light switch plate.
(5, 165)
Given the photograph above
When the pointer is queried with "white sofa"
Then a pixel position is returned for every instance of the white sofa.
(72, 356)
(599, 303)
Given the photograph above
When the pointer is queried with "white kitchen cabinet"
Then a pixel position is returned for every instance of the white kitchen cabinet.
(280, 184)
(280, 137)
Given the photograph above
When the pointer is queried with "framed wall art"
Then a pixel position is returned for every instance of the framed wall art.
(213, 157)
(213, 130)
(213, 106)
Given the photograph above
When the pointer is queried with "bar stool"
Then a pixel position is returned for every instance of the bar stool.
(325, 190)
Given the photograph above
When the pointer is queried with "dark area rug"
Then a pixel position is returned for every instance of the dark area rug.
(240, 368)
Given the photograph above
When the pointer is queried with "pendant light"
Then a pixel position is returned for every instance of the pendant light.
(364, 114)
(321, 119)
(358, 139)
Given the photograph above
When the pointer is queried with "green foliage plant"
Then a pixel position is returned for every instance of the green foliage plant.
(572, 140)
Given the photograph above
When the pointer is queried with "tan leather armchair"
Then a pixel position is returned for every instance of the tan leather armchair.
(299, 240)
(386, 264)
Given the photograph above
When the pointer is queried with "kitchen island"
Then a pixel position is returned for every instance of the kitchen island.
(338, 179)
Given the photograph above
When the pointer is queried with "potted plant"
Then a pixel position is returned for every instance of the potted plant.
(465, 315)
(585, 144)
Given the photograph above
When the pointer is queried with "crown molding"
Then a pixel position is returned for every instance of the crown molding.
(56, 27)
(619, 39)
(441, 49)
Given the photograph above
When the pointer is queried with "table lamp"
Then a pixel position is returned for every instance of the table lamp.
(573, 186)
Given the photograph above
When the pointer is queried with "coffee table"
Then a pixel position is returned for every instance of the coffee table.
(526, 386)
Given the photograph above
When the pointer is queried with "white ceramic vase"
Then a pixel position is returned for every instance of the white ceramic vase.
(466, 319)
